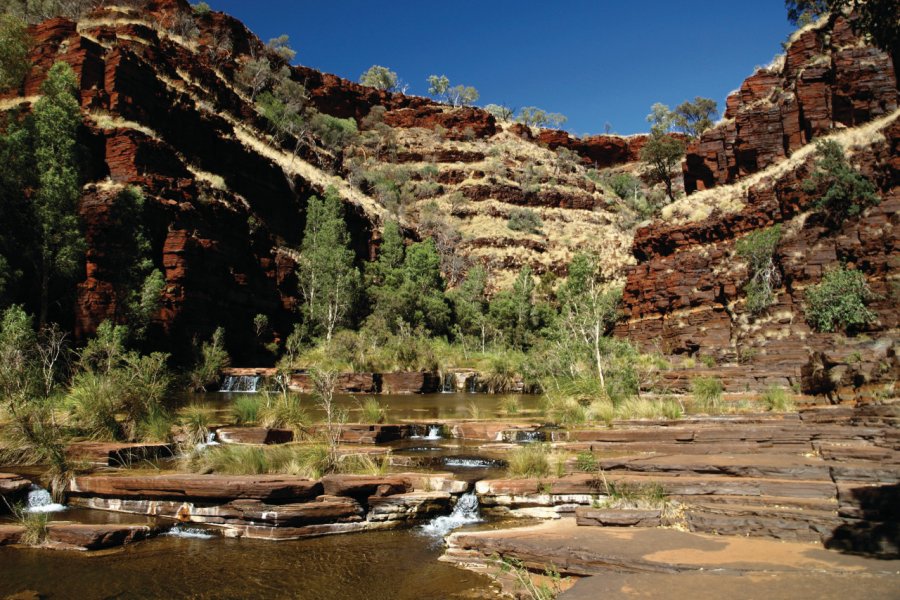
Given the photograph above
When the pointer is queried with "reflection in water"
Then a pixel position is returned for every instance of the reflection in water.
(385, 565)
(414, 407)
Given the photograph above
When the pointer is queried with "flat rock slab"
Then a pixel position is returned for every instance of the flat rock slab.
(737, 465)
(114, 454)
(197, 487)
(586, 551)
(81, 536)
(749, 586)
(254, 435)
(363, 486)
(12, 486)
(586, 516)
(10, 534)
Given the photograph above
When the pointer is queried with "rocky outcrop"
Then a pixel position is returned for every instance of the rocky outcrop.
(12, 489)
(827, 79)
(116, 454)
(599, 151)
(686, 296)
(410, 382)
(94, 536)
(196, 487)
(273, 507)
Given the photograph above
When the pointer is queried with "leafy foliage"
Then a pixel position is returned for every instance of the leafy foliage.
(695, 117)
(57, 116)
(525, 220)
(533, 116)
(757, 250)
(14, 44)
(328, 279)
(846, 191)
(380, 78)
(211, 360)
(839, 301)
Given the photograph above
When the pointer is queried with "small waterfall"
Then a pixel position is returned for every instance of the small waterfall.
(190, 532)
(245, 384)
(531, 436)
(40, 501)
(449, 385)
(461, 462)
(434, 433)
(473, 383)
(210, 441)
(465, 512)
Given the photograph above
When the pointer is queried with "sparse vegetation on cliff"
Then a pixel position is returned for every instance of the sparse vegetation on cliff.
(757, 249)
(839, 301)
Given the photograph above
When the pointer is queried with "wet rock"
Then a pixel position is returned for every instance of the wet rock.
(364, 486)
(12, 489)
(411, 382)
(254, 435)
(10, 534)
(79, 536)
(197, 487)
(114, 454)
(408, 506)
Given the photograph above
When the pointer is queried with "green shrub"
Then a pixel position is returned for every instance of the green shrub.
(839, 301)
(625, 185)
(284, 411)
(156, 426)
(603, 410)
(586, 462)
(777, 399)
(707, 392)
(213, 358)
(196, 419)
(528, 461)
(524, 219)
(510, 405)
(567, 411)
(757, 250)
(246, 409)
(35, 525)
(371, 411)
(846, 191)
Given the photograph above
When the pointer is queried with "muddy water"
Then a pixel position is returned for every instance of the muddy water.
(387, 565)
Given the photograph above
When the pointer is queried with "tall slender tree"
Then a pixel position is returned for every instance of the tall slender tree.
(57, 116)
(329, 280)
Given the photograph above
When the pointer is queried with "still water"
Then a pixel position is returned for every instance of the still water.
(400, 564)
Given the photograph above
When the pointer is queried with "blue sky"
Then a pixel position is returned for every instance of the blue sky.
(596, 62)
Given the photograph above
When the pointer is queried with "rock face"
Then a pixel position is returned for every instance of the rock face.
(686, 296)
(12, 489)
(826, 80)
(268, 506)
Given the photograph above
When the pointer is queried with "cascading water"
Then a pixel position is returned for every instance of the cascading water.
(473, 383)
(434, 433)
(465, 512)
(210, 441)
(190, 532)
(449, 385)
(40, 501)
(245, 384)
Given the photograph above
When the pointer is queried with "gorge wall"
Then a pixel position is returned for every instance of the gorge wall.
(686, 298)
(226, 203)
